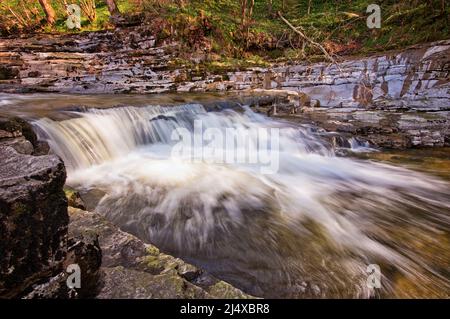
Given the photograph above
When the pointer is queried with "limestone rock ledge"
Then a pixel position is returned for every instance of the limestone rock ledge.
(131, 60)
(132, 269)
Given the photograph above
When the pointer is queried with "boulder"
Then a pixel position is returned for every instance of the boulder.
(17, 127)
(20, 144)
(19, 134)
(33, 219)
(35, 248)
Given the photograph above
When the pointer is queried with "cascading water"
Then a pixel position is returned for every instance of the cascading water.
(308, 230)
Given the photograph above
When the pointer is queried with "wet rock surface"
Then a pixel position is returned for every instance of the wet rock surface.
(35, 247)
(134, 269)
(383, 129)
(393, 100)
(33, 217)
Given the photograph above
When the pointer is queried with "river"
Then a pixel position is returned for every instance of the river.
(309, 227)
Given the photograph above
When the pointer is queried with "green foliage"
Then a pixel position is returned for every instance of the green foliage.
(339, 25)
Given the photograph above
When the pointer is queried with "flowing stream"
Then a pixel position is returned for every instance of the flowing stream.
(308, 229)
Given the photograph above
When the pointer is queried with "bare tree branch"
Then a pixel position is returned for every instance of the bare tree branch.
(312, 42)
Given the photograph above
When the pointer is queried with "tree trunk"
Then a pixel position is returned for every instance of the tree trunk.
(49, 12)
(243, 12)
(246, 17)
(112, 8)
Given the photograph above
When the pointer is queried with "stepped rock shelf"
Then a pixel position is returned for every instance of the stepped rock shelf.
(131, 61)
(394, 99)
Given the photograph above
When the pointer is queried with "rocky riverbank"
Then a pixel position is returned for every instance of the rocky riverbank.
(133, 269)
(392, 129)
(395, 100)
(33, 213)
(41, 237)
(132, 61)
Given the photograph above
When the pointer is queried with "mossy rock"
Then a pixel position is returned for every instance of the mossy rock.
(73, 198)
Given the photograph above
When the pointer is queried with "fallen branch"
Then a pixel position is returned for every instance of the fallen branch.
(343, 26)
(312, 42)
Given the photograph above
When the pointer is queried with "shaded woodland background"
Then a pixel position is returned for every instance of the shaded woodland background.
(252, 30)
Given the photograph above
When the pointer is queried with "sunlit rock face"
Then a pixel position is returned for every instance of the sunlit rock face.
(417, 78)
(131, 61)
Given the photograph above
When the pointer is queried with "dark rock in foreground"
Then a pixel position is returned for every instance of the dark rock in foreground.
(39, 244)
(33, 219)
(35, 250)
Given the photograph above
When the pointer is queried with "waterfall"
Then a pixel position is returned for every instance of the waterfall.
(319, 217)
(99, 135)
